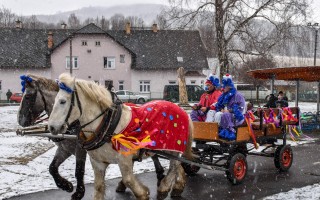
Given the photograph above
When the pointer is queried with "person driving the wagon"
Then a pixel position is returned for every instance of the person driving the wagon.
(207, 100)
(230, 109)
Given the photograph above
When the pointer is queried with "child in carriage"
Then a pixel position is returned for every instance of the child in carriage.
(229, 109)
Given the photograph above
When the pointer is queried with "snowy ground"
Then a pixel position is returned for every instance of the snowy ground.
(24, 162)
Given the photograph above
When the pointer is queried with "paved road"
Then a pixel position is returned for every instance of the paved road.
(262, 180)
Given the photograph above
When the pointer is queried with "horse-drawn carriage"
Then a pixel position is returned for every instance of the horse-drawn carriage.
(262, 133)
(210, 151)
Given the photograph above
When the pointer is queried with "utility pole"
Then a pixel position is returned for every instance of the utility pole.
(70, 40)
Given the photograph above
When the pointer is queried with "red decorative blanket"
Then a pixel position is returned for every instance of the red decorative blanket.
(158, 125)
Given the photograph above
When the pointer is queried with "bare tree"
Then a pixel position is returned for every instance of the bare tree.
(161, 21)
(88, 21)
(32, 22)
(73, 21)
(117, 22)
(104, 23)
(135, 21)
(253, 63)
(235, 20)
(7, 18)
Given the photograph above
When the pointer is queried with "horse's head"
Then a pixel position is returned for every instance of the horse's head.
(75, 98)
(63, 110)
(34, 102)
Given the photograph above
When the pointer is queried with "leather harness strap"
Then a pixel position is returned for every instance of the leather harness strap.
(105, 130)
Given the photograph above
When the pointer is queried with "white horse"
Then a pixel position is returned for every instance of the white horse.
(77, 97)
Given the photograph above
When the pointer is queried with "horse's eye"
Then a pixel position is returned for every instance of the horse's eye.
(62, 101)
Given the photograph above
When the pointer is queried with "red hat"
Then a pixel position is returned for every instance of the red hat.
(208, 82)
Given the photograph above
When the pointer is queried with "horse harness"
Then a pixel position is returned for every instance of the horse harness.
(105, 130)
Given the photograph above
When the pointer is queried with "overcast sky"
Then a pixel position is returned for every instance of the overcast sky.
(29, 7)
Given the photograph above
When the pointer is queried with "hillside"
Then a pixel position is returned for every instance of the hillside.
(148, 12)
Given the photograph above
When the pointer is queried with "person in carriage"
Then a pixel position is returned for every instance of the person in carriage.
(229, 109)
(201, 110)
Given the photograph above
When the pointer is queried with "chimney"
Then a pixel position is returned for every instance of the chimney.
(19, 24)
(63, 25)
(50, 39)
(128, 28)
(154, 28)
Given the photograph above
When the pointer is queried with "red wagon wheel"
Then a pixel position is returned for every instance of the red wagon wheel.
(237, 168)
(283, 158)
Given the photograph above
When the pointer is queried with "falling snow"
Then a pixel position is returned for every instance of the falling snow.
(24, 163)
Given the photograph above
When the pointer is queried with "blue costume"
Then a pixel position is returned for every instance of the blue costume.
(234, 102)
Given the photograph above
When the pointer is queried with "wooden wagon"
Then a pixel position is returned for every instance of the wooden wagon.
(214, 153)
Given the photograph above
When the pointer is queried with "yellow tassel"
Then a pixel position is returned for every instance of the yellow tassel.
(133, 145)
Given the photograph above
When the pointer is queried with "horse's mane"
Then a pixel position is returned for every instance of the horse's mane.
(90, 89)
(44, 83)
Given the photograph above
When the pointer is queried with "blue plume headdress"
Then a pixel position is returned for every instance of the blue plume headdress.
(24, 80)
(64, 87)
(214, 80)
(227, 81)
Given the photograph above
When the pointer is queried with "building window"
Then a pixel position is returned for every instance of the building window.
(74, 62)
(193, 82)
(108, 83)
(122, 58)
(84, 43)
(121, 85)
(98, 43)
(109, 62)
(144, 86)
(172, 82)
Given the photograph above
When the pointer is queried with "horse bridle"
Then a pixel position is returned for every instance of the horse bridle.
(33, 100)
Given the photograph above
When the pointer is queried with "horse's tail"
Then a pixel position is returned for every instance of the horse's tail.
(188, 152)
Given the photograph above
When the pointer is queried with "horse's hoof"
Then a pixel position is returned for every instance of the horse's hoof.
(121, 187)
(161, 195)
(176, 193)
(78, 195)
(66, 186)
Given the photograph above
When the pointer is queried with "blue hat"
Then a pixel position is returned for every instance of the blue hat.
(214, 80)
(227, 81)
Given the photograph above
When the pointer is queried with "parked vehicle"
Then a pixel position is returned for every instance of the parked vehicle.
(171, 92)
(249, 91)
(16, 97)
(128, 96)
